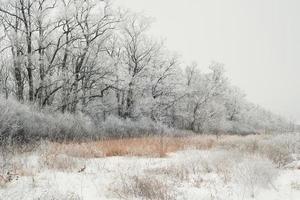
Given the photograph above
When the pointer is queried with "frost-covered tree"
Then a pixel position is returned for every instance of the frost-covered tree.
(85, 56)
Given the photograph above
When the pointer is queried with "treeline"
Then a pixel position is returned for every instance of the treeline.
(85, 56)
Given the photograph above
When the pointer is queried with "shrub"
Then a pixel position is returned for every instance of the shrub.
(295, 186)
(240, 128)
(275, 152)
(223, 162)
(254, 173)
(55, 194)
(290, 142)
(144, 187)
(278, 149)
(177, 171)
(60, 162)
(248, 144)
(119, 128)
(13, 165)
(23, 124)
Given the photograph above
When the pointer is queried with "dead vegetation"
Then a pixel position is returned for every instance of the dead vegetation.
(263, 145)
(60, 162)
(146, 146)
(77, 150)
(144, 187)
(70, 156)
(251, 162)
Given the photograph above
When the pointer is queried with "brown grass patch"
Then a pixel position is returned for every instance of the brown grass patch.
(151, 146)
(82, 150)
(154, 146)
(147, 146)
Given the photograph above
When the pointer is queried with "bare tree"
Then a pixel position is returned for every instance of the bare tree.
(12, 27)
(139, 52)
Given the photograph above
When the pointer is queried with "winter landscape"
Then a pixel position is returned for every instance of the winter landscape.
(95, 105)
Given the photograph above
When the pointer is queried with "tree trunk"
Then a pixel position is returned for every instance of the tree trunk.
(18, 76)
(17, 53)
(41, 92)
(65, 94)
(129, 101)
(192, 127)
(27, 21)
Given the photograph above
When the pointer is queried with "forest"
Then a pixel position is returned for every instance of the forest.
(96, 63)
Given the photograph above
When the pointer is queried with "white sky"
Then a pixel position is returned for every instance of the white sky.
(257, 40)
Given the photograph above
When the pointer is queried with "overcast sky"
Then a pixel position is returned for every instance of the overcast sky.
(257, 40)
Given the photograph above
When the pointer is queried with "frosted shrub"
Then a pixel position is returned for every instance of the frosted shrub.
(59, 162)
(116, 127)
(113, 125)
(55, 194)
(240, 128)
(290, 142)
(278, 149)
(177, 171)
(72, 127)
(223, 162)
(277, 153)
(9, 122)
(253, 174)
(248, 144)
(220, 162)
(23, 124)
(144, 187)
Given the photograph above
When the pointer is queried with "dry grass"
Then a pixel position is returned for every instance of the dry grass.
(148, 146)
(262, 145)
(176, 171)
(248, 144)
(143, 187)
(162, 146)
(295, 185)
(13, 169)
(82, 150)
(60, 162)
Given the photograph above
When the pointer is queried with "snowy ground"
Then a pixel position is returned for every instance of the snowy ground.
(185, 175)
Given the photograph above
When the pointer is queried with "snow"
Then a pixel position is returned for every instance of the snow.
(102, 175)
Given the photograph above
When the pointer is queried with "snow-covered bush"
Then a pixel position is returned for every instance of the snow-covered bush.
(177, 171)
(144, 187)
(277, 149)
(116, 127)
(239, 128)
(277, 153)
(248, 144)
(21, 124)
(254, 173)
(290, 142)
(223, 162)
(189, 167)
(55, 194)
(60, 162)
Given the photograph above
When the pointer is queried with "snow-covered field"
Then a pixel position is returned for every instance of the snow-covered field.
(217, 173)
